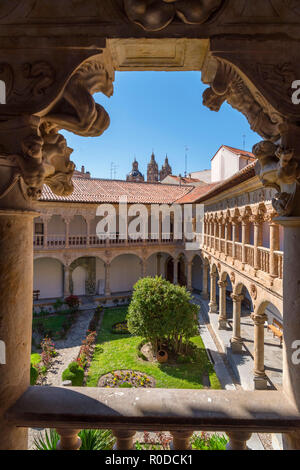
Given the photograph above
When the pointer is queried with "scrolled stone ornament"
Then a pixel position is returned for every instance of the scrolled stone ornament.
(154, 15)
(77, 110)
(229, 86)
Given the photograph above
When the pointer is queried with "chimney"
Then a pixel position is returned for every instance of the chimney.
(180, 179)
(82, 169)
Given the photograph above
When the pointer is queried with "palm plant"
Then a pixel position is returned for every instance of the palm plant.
(91, 439)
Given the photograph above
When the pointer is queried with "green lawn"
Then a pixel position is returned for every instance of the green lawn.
(114, 352)
(52, 325)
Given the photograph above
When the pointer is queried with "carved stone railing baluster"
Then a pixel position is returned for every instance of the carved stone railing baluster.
(69, 439)
(238, 440)
(181, 440)
(124, 439)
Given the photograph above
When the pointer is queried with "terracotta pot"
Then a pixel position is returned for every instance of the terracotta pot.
(162, 356)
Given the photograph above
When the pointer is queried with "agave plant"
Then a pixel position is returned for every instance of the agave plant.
(91, 439)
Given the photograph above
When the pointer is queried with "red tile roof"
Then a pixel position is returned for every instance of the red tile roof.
(93, 190)
(196, 193)
(242, 153)
(184, 179)
(243, 175)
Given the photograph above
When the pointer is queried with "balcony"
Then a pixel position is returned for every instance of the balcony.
(238, 413)
(43, 242)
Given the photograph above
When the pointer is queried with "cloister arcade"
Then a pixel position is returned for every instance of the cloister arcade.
(249, 56)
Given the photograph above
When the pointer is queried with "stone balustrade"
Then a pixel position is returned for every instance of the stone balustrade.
(125, 411)
(43, 242)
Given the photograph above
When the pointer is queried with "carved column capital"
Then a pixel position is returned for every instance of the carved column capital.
(237, 297)
(259, 320)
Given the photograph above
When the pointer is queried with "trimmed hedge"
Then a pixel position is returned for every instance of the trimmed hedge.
(75, 373)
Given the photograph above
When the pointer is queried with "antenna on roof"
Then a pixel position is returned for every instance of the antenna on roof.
(185, 167)
(113, 170)
(244, 142)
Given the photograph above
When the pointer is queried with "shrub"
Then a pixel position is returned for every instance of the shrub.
(208, 442)
(91, 439)
(34, 373)
(75, 373)
(58, 305)
(73, 302)
(162, 313)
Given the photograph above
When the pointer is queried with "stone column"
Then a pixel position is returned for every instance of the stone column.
(107, 280)
(245, 239)
(143, 268)
(234, 225)
(226, 237)
(257, 229)
(222, 305)
(175, 271)
(16, 286)
(204, 294)
(67, 222)
(291, 309)
(236, 340)
(213, 307)
(66, 281)
(274, 246)
(189, 275)
(158, 264)
(260, 379)
(45, 231)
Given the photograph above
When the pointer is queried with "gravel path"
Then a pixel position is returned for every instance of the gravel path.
(68, 350)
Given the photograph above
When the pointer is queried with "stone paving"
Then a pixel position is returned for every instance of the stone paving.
(242, 364)
(68, 350)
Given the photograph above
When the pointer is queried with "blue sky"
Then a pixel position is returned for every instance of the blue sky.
(162, 111)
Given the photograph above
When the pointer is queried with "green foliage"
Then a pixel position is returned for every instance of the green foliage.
(162, 312)
(209, 442)
(48, 441)
(120, 352)
(75, 373)
(34, 373)
(35, 359)
(91, 439)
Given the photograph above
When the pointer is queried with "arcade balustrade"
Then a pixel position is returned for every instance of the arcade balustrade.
(237, 413)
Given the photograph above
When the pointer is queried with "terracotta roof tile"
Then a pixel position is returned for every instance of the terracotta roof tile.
(242, 153)
(93, 190)
(243, 175)
(196, 193)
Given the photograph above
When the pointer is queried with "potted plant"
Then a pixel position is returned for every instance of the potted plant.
(162, 356)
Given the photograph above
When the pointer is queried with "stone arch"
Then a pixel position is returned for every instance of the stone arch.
(123, 279)
(156, 263)
(117, 254)
(197, 272)
(87, 264)
(48, 277)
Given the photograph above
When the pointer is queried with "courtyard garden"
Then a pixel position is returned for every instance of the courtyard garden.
(143, 346)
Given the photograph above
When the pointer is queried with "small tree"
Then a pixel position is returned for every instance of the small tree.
(162, 312)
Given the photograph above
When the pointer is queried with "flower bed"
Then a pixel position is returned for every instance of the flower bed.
(126, 379)
(120, 328)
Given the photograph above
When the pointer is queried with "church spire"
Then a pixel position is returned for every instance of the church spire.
(152, 170)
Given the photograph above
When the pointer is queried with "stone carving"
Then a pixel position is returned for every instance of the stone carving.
(77, 111)
(44, 158)
(278, 168)
(154, 15)
(232, 277)
(229, 86)
(253, 291)
(36, 79)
